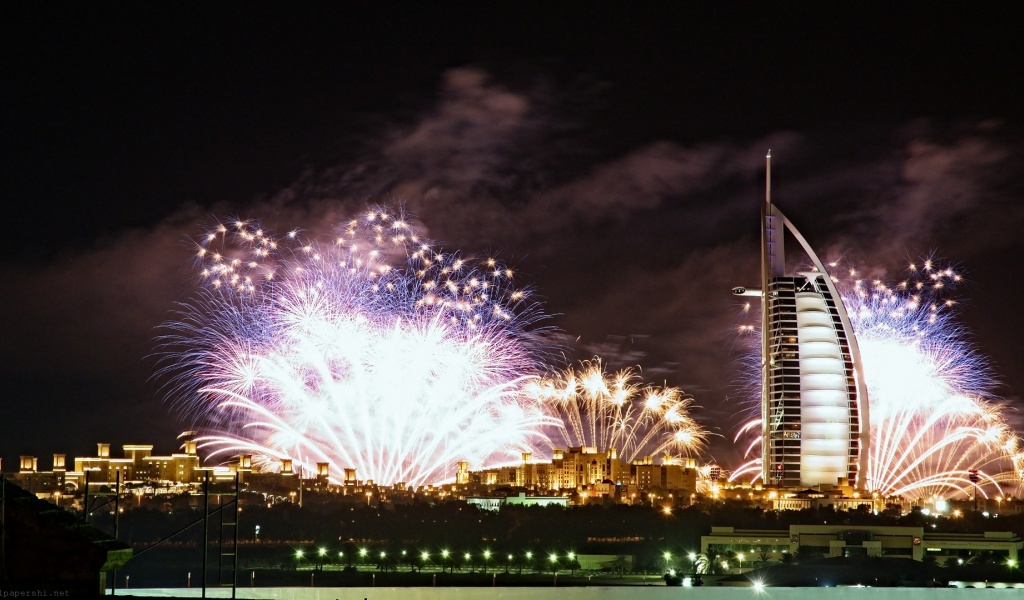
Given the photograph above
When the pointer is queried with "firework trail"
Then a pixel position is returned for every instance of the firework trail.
(374, 352)
(602, 410)
(933, 415)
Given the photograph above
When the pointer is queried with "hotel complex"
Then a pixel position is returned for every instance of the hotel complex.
(577, 474)
(814, 403)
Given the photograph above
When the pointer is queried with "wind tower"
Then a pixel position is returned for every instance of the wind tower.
(814, 404)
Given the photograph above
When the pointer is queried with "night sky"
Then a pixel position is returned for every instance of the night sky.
(616, 158)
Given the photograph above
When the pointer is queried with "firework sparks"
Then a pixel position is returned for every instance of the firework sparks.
(374, 352)
(606, 411)
(933, 416)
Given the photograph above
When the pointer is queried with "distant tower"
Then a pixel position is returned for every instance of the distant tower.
(814, 404)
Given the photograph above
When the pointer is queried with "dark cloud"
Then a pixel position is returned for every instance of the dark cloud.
(635, 255)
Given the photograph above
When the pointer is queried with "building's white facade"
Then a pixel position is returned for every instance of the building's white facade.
(814, 402)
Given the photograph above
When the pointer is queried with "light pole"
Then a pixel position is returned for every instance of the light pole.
(444, 559)
(975, 478)
(487, 556)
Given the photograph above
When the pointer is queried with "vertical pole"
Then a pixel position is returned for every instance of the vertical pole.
(85, 501)
(117, 522)
(3, 529)
(220, 540)
(234, 548)
(117, 505)
(206, 527)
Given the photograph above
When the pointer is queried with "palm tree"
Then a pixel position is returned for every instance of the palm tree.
(619, 564)
(709, 563)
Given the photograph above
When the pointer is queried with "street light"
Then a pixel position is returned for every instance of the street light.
(487, 556)
(322, 552)
(444, 559)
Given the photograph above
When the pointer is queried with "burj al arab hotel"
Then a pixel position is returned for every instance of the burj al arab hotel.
(814, 402)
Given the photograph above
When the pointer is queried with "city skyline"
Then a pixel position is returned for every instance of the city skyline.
(612, 162)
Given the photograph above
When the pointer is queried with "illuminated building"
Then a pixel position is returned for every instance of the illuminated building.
(646, 475)
(588, 474)
(883, 541)
(814, 403)
(42, 483)
(521, 499)
(138, 464)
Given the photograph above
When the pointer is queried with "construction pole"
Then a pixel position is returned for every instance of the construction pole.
(234, 568)
(117, 523)
(3, 529)
(85, 501)
(206, 526)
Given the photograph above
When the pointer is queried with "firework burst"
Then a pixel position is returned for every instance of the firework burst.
(605, 411)
(374, 351)
(933, 416)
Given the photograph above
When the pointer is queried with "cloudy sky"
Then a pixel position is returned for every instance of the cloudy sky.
(616, 158)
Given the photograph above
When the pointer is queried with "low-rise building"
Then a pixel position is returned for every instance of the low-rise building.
(858, 540)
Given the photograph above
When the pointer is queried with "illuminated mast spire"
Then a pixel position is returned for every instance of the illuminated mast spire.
(773, 264)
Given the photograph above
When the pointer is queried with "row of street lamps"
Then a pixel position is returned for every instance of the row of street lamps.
(322, 555)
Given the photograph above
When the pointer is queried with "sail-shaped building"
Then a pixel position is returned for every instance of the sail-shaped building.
(814, 403)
